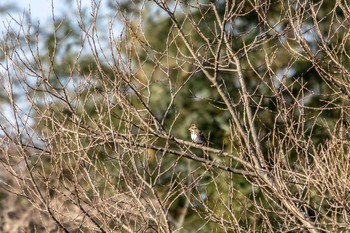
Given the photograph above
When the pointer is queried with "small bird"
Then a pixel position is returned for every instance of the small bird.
(197, 136)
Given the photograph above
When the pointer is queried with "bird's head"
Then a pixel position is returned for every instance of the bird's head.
(193, 128)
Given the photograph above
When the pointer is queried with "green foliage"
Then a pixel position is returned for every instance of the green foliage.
(166, 84)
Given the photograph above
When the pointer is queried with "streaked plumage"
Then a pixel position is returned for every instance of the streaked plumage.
(196, 135)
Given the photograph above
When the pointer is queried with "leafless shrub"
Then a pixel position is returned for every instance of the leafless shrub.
(100, 142)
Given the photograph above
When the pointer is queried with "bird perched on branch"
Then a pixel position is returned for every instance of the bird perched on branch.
(197, 136)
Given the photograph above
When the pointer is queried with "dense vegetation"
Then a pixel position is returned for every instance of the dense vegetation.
(96, 110)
